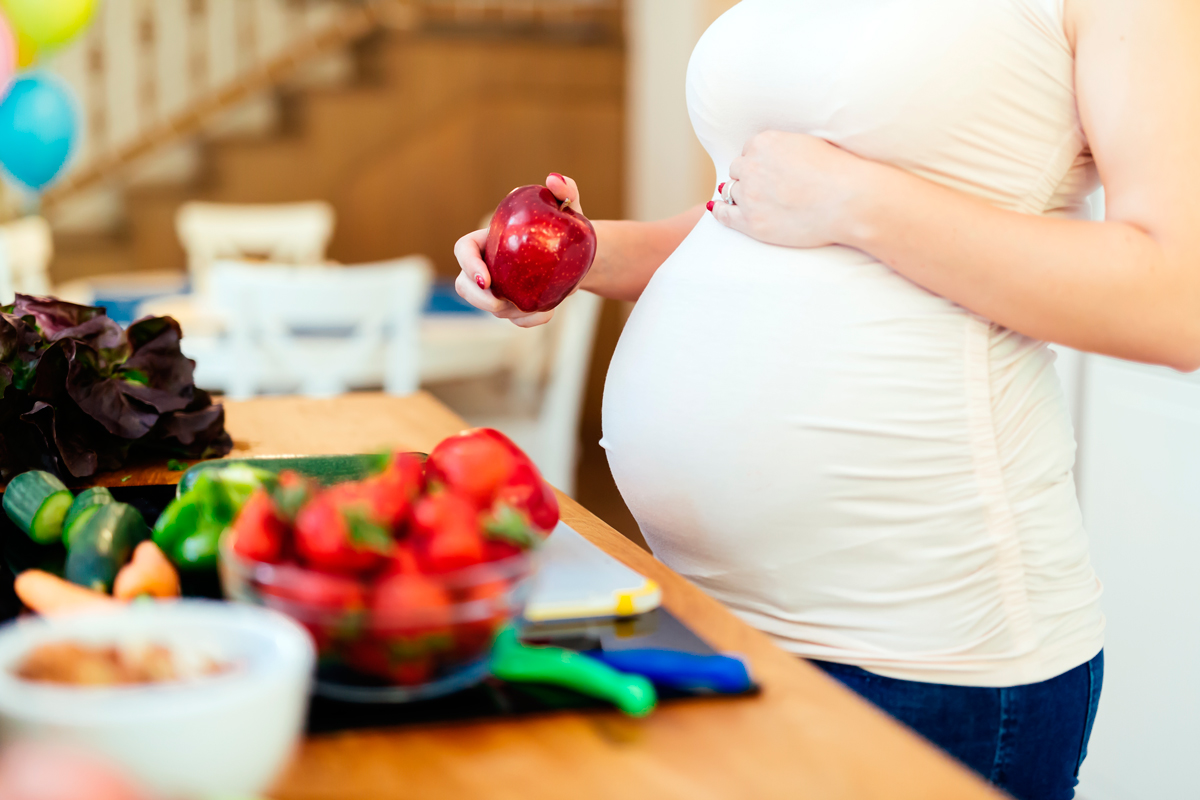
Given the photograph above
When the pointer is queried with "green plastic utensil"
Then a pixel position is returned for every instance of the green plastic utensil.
(520, 663)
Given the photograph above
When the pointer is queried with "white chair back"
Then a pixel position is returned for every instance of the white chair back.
(573, 333)
(288, 233)
(26, 247)
(322, 329)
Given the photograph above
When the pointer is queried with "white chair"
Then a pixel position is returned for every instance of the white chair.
(26, 247)
(547, 428)
(288, 233)
(321, 329)
(285, 233)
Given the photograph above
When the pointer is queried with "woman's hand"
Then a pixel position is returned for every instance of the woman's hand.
(792, 189)
(474, 282)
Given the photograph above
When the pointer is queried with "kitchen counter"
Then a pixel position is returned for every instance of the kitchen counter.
(804, 736)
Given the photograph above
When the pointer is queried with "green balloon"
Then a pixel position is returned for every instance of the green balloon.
(49, 23)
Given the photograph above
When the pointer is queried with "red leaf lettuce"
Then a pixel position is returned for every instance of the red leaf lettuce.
(78, 395)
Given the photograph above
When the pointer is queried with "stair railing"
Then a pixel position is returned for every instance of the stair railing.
(151, 73)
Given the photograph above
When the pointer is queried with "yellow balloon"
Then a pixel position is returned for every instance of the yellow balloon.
(49, 23)
(27, 52)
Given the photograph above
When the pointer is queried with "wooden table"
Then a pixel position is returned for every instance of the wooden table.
(803, 737)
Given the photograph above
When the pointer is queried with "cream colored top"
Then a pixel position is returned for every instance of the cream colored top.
(862, 469)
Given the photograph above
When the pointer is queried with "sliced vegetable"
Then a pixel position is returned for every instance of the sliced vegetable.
(37, 502)
(148, 573)
(49, 594)
(104, 544)
(84, 506)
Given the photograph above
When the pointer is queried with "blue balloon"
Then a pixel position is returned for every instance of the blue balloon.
(38, 126)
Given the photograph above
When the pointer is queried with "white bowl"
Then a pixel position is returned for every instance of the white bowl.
(225, 734)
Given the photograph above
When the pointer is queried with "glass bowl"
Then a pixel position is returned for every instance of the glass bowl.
(389, 638)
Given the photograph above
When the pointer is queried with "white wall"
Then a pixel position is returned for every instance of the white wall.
(1139, 485)
(667, 169)
(1140, 491)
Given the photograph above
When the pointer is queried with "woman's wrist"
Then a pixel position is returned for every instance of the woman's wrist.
(628, 253)
(599, 273)
(861, 212)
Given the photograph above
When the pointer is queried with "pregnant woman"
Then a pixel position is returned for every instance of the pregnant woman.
(833, 407)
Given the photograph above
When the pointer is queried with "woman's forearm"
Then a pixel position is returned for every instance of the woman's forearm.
(1105, 287)
(628, 253)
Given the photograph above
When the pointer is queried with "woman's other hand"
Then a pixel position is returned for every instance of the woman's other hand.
(474, 282)
(791, 189)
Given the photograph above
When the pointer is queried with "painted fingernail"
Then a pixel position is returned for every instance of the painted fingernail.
(709, 205)
(721, 187)
(560, 177)
(479, 280)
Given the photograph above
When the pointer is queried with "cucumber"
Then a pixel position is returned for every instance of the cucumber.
(83, 508)
(37, 502)
(103, 543)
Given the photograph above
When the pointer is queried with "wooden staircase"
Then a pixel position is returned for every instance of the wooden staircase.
(443, 114)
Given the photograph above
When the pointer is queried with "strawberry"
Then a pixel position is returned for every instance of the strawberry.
(402, 562)
(487, 611)
(473, 464)
(330, 606)
(411, 615)
(446, 533)
(337, 531)
(292, 490)
(486, 468)
(258, 530)
(498, 550)
(392, 492)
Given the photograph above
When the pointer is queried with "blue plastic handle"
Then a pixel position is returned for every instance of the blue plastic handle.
(676, 670)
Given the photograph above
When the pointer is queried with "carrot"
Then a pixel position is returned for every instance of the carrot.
(147, 573)
(49, 594)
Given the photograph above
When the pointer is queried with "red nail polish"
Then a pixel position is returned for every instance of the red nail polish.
(479, 280)
(709, 205)
(720, 187)
(560, 177)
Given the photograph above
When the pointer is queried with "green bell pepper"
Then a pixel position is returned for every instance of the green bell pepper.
(191, 526)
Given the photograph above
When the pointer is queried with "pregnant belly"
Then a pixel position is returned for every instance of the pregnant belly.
(806, 429)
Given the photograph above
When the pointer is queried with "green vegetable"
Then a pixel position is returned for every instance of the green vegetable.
(177, 521)
(103, 395)
(84, 506)
(103, 544)
(191, 526)
(175, 465)
(37, 502)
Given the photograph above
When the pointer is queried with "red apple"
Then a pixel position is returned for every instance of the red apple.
(538, 249)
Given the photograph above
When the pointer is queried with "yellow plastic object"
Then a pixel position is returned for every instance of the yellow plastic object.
(49, 23)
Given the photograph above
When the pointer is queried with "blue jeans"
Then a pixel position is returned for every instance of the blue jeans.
(1027, 740)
